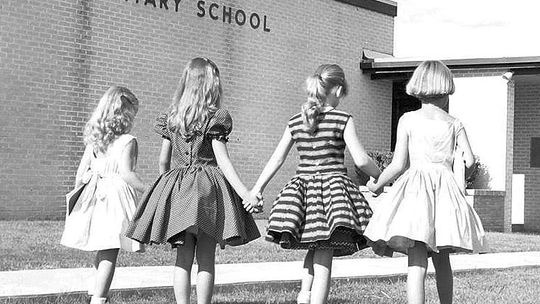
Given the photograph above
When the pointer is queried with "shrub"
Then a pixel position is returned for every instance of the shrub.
(381, 158)
(477, 177)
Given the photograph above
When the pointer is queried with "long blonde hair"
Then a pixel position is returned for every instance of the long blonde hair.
(318, 86)
(431, 79)
(197, 96)
(113, 116)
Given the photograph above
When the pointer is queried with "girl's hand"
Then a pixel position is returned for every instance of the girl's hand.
(250, 202)
(373, 187)
(260, 203)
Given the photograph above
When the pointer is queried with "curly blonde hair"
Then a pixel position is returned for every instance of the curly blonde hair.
(113, 116)
(318, 86)
(197, 96)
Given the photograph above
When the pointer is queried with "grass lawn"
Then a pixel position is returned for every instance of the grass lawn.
(519, 285)
(35, 245)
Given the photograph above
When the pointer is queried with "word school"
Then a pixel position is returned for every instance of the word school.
(228, 14)
(216, 12)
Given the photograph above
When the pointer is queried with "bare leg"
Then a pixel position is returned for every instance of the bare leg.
(444, 277)
(182, 270)
(322, 270)
(105, 264)
(416, 276)
(307, 279)
(206, 254)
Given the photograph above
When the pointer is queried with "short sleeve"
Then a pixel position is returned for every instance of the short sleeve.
(220, 126)
(458, 127)
(161, 127)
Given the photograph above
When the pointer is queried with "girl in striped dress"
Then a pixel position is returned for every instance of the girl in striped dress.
(320, 209)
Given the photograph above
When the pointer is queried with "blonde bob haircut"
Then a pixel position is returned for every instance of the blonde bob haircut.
(113, 116)
(431, 79)
(197, 96)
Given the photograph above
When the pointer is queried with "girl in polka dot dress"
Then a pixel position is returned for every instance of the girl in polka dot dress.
(199, 201)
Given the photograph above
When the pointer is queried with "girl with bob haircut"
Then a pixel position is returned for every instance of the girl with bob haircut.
(426, 213)
(199, 200)
(320, 209)
(106, 182)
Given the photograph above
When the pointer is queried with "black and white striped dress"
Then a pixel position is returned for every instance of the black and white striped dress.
(320, 208)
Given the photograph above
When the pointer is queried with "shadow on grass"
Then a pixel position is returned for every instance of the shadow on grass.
(331, 301)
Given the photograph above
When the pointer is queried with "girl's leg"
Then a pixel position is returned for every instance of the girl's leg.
(182, 269)
(322, 269)
(307, 279)
(206, 255)
(417, 274)
(105, 264)
(443, 275)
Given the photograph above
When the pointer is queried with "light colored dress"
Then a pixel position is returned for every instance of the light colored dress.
(105, 206)
(426, 204)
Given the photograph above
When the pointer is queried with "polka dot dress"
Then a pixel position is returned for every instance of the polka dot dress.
(194, 195)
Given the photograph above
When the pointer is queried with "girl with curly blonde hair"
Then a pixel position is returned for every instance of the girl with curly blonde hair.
(105, 188)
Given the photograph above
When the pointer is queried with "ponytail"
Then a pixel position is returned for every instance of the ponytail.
(318, 86)
(312, 107)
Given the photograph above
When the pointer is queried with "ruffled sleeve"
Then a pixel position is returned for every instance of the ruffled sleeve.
(161, 126)
(220, 126)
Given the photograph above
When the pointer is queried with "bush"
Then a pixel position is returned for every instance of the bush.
(381, 158)
(477, 177)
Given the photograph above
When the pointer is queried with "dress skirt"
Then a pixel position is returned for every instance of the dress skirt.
(426, 205)
(101, 215)
(320, 211)
(192, 199)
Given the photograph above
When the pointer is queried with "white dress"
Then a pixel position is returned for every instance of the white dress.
(105, 207)
(426, 204)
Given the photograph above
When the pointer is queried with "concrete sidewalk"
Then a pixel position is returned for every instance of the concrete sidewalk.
(28, 283)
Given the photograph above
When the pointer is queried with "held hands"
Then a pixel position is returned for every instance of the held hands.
(373, 187)
(253, 202)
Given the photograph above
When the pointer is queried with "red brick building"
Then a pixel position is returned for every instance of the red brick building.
(58, 56)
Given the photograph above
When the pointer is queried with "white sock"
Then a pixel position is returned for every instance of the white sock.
(303, 297)
(98, 300)
(91, 283)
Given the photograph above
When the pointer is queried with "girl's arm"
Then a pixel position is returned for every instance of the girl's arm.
(359, 155)
(83, 165)
(275, 162)
(224, 163)
(465, 146)
(399, 161)
(127, 165)
(165, 156)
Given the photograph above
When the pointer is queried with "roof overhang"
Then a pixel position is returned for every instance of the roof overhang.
(386, 7)
(384, 66)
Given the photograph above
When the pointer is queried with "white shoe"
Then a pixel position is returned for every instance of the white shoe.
(90, 283)
(304, 297)
(97, 300)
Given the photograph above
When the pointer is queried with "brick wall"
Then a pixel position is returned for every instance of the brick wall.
(490, 208)
(527, 125)
(57, 57)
